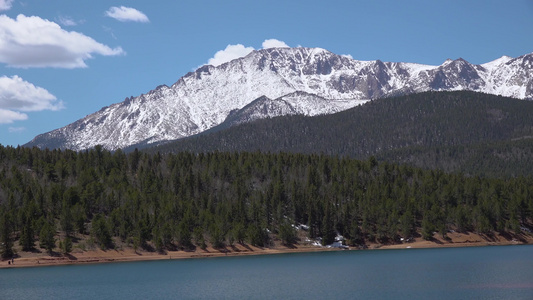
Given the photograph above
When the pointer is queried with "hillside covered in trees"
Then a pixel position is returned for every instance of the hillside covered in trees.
(179, 201)
(473, 133)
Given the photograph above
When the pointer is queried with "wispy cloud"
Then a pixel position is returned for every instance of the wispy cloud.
(67, 21)
(18, 95)
(237, 51)
(127, 14)
(27, 42)
(16, 129)
(110, 31)
(6, 4)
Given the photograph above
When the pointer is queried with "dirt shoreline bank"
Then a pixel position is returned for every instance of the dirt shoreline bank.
(129, 255)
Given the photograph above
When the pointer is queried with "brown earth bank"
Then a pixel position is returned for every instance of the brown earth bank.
(79, 256)
(128, 254)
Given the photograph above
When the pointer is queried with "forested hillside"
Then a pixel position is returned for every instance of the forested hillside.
(409, 129)
(49, 199)
(488, 159)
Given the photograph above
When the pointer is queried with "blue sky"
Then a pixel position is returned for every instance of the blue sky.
(61, 60)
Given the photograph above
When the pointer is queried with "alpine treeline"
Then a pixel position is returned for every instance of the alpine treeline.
(185, 200)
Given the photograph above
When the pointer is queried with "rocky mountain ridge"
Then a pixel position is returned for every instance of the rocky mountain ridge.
(273, 82)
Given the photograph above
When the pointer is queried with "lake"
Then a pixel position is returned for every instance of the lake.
(504, 272)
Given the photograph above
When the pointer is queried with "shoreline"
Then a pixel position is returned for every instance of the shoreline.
(128, 255)
(78, 257)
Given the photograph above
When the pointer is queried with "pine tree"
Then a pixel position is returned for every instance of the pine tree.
(239, 232)
(287, 234)
(356, 236)
(66, 219)
(66, 245)
(27, 240)
(427, 229)
(328, 230)
(6, 240)
(199, 238)
(100, 232)
(184, 234)
(257, 236)
(216, 237)
(46, 237)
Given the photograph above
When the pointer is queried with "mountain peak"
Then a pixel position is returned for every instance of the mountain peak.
(497, 62)
(278, 81)
(447, 62)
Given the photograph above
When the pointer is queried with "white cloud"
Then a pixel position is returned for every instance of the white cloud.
(230, 53)
(237, 51)
(125, 14)
(6, 4)
(273, 43)
(16, 129)
(348, 56)
(34, 42)
(9, 116)
(18, 95)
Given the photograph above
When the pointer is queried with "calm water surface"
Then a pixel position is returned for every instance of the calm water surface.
(458, 273)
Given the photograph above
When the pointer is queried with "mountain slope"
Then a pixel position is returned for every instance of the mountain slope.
(205, 98)
(429, 130)
(509, 158)
(297, 103)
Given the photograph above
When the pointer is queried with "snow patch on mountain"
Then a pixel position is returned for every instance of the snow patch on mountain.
(297, 103)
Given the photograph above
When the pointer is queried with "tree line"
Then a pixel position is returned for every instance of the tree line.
(184, 200)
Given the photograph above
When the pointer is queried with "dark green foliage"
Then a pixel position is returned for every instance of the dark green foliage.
(199, 238)
(328, 231)
(66, 245)
(27, 240)
(184, 235)
(158, 241)
(216, 199)
(257, 236)
(460, 131)
(507, 158)
(166, 235)
(427, 229)
(462, 219)
(287, 234)
(6, 239)
(66, 219)
(100, 231)
(216, 237)
(47, 237)
(79, 217)
(238, 233)
(355, 235)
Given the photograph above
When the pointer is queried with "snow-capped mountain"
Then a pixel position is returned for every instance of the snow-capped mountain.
(297, 103)
(273, 82)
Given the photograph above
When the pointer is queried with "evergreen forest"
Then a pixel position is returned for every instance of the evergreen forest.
(473, 133)
(183, 200)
